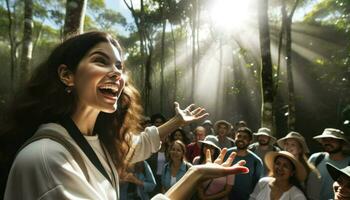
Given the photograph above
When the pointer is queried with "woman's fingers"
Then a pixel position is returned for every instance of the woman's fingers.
(219, 160)
(189, 107)
(241, 163)
(230, 159)
(208, 156)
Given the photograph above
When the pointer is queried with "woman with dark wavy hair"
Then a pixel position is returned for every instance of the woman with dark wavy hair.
(82, 117)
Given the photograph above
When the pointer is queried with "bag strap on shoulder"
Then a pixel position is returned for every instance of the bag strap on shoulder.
(54, 135)
(319, 159)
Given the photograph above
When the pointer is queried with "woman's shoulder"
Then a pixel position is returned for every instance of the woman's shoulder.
(42, 152)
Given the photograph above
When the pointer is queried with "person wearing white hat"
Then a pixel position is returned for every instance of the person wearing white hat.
(265, 143)
(295, 144)
(287, 173)
(333, 142)
(341, 185)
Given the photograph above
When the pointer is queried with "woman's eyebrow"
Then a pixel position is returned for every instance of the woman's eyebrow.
(100, 53)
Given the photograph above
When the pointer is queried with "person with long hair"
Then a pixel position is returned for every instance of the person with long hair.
(284, 182)
(177, 165)
(84, 116)
(295, 144)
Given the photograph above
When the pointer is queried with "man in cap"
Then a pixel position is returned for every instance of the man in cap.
(208, 125)
(222, 129)
(244, 184)
(265, 143)
(341, 185)
(333, 142)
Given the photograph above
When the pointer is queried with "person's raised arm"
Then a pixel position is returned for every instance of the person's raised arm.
(181, 118)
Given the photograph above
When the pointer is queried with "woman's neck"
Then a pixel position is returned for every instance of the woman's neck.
(85, 120)
(281, 183)
(176, 163)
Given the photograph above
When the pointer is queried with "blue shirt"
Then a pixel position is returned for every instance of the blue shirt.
(326, 179)
(166, 174)
(149, 183)
(245, 183)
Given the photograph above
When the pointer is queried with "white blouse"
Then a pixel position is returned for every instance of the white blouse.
(45, 170)
(262, 190)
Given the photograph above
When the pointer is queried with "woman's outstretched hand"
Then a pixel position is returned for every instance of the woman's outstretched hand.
(198, 173)
(220, 167)
(189, 114)
(182, 118)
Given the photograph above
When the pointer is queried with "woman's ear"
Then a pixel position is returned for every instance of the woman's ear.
(66, 76)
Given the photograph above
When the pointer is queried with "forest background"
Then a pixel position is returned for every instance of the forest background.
(283, 64)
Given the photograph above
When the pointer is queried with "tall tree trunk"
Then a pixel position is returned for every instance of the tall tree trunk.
(291, 93)
(175, 64)
(266, 66)
(194, 27)
(13, 46)
(74, 20)
(27, 46)
(145, 50)
(162, 63)
(280, 42)
(220, 81)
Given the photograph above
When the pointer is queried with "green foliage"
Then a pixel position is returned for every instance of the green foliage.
(331, 12)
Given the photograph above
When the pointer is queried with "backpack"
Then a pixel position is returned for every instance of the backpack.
(320, 157)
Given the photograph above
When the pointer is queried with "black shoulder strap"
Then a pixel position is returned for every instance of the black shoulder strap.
(78, 137)
(252, 148)
(319, 159)
(53, 135)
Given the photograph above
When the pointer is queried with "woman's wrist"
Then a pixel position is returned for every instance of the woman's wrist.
(183, 189)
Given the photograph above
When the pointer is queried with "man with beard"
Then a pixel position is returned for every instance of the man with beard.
(244, 184)
(334, 143)
(265, 143)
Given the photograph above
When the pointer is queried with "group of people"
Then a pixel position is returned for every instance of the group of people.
(278, 169)
(82, 122)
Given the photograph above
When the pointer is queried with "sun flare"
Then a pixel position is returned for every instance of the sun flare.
(230, 14)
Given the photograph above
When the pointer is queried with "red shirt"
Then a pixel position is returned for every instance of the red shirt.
(192, 151)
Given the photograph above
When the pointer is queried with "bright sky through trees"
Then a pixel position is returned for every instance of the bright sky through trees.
(228, 14)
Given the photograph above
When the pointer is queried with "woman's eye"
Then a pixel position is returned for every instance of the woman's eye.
(101, 61)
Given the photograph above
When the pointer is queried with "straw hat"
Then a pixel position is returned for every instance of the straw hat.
(299, 168)
(211, 140)
(266, 132)
(297, 136)
(336, 172)
(332, 133)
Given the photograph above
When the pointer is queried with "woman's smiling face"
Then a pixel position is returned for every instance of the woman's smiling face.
(283, 168)
(176, 152)
(99, 80)
(293, 146)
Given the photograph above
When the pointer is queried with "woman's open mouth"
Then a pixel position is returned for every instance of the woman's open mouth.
(109, 90)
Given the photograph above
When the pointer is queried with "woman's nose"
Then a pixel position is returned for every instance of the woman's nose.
(115, 74)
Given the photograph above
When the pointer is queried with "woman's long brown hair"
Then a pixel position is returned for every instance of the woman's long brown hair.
(44, 100)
